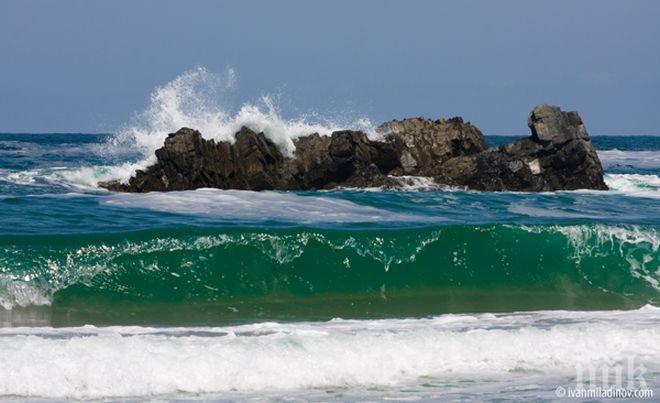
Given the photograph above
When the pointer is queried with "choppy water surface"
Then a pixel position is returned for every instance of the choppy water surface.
(237, 285)
(420, 293)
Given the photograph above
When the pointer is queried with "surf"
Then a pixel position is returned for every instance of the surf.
(242, 274)
(435, 356)
(201, 99)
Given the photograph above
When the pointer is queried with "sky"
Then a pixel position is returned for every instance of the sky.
(88, 66)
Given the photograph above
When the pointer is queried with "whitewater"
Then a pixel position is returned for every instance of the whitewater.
(437, 357)
(419, 293)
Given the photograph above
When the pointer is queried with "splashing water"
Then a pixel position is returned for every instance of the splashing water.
(198, 99)
(423, 277)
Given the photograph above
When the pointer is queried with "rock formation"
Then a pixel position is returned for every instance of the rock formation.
(558, 155)
(423, 145)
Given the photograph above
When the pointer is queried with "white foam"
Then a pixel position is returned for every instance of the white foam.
(26, 177)
(635, 159)
(198, 99)
(580, 235)
(18, 292)
(261, 206)
(406, 183)
(92, 362)
(638, 246)
(634, 184)
(85, 178)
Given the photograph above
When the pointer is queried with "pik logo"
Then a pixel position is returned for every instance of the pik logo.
(627, 375)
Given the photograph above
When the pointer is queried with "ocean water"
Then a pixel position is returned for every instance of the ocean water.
(420, 293)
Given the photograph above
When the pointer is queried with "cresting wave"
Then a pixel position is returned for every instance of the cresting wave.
(431, 353)
(634, 184)
(199, 99)
(547, 265)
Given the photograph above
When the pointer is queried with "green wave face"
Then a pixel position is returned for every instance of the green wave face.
(216, 276)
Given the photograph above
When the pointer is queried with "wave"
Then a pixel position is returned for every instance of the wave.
(199, 99)
(82, 178)
(364, 272)
(423, 354)
(265, 206)
(634, 185)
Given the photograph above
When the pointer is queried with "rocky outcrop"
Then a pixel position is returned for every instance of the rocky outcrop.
(188, 161)
(253, 162)
(424, 145)
(558, 155)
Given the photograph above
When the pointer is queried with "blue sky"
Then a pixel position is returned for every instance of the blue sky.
(87, 66)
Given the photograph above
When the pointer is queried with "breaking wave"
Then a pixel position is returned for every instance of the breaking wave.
(634, 184)
(199, 99)
(592, 262)
(92, 362)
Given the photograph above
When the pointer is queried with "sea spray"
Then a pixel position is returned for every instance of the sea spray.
(198, 99)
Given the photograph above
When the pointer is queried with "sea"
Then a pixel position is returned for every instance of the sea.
(420, 293)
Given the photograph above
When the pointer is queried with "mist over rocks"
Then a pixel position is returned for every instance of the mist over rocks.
(557, 156)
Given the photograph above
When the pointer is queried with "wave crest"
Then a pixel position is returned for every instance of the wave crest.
(199, 99)
(636, 185)
(616, 260)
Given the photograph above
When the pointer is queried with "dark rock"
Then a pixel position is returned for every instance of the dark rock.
(549, 124)
(253, 162)
(558, 155)
(424, 145)
(188, 161)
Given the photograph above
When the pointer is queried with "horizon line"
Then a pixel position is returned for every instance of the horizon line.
(485, 134)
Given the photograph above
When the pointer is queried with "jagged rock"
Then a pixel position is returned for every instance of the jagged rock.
(424, 145)
(253, 162)
(188, 161)
(558, 155)
(549, 123)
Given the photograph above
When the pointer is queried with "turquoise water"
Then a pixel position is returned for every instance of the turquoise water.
(423, 281)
